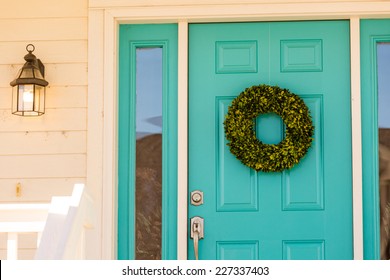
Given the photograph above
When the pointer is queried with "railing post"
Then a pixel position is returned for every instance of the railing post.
(39, 237)
(12, 246)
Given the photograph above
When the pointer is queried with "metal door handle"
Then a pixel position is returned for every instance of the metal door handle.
(197, 233)
(196, 245)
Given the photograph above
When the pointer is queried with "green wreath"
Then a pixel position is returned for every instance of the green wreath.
(240, 132)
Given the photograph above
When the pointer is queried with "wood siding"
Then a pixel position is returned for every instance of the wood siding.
(46, 154)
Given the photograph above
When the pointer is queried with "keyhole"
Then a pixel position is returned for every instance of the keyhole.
(196, 227)
(196, 197)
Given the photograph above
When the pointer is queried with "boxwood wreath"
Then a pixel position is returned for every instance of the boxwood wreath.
(240, 132)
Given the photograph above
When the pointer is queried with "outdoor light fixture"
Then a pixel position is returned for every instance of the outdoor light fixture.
(28, 89)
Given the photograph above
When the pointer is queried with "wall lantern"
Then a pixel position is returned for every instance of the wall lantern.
(28, 89)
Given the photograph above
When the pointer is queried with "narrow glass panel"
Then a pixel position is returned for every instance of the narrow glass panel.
(383, 60)
(148, 153)
(26, 97)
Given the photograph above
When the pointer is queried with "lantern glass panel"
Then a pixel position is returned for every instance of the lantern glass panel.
(39, 102)
(26, 98)
(27, 73)
(37, 74)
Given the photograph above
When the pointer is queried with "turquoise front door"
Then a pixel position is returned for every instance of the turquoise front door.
(302, 213)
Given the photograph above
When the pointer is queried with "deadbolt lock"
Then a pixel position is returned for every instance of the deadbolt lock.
(197, 198)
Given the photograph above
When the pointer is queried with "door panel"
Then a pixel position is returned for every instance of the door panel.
(303, 213)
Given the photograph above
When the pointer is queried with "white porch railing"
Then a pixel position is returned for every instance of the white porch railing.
(21, 218)
(61, 225)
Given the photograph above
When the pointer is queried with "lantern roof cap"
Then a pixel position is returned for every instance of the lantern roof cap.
(32, 72)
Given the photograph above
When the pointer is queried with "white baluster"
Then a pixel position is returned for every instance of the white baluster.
(12, 246)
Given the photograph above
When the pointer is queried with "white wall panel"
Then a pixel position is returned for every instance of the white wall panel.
(42, 166)
(31, 143)
(46, 154)
(66, 97)
(61, 119)
(37, 189)
(43, 29)
(56, 51)
(43, 8)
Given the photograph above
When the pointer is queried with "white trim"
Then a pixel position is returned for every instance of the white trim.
(110, 214)
(356, 139)
(247, 12)
(95, 145)
(137, 3)
(182, 180)
(103, 85)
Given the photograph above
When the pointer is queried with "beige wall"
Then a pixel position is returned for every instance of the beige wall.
(47, 154)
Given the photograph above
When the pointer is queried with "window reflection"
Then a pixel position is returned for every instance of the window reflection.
(148, 153)
(383, 62)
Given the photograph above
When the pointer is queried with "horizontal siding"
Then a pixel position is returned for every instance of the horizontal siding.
(47, 154)
(66, 97)
(30, 143)
(15, 9)
(59, 119)
(59, 51)
(27, 244)
(23, 254)
(42, 166)
(37, 189)
(25, 240)
(43, 29)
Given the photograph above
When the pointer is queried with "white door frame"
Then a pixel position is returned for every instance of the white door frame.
(104, 19)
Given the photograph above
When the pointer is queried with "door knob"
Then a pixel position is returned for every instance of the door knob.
(197, 233)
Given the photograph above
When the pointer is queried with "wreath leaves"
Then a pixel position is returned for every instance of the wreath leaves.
(240, 132)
